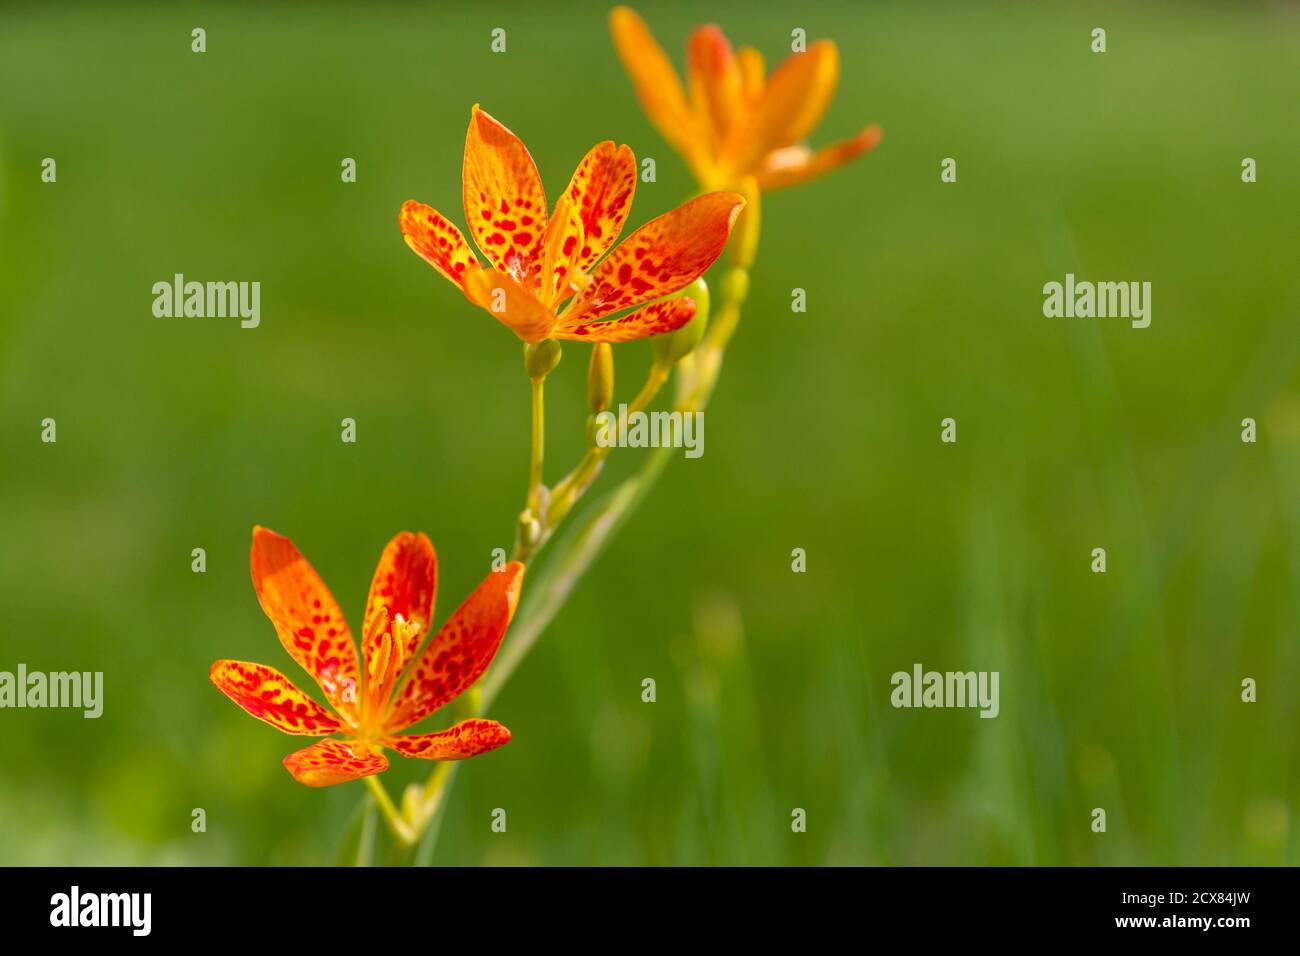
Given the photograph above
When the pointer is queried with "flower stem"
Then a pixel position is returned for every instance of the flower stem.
(401, 830)
(366, 839)
(571, 488)
(654, 381)
(566, 569)
(547, 594)
(432, 809)
(577, 551)
(539, 439)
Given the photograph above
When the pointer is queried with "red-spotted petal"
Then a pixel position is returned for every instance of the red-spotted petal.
(557, 266)
(469, 738)
(511, 304)
(436, 240)
(666, 315)
(306, 617)
(505, 204)
(663, 256)
(331, 761)
(405, 584)
(270, 696)
(461, 650)
(601, 188)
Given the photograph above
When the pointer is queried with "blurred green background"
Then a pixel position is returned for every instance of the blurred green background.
(1118, 690)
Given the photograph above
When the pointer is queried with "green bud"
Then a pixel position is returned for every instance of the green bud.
(672, 348)
(600, 377)
(540, 358)
(527, 532)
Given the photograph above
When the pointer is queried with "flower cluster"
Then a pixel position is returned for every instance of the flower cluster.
(547, 272)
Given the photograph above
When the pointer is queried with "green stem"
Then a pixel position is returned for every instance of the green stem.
(563, 572)
(539, 439)
(653, 382)
(571, 488)
(433, 809)
(366, 840)
(547, 594)
(400, 829)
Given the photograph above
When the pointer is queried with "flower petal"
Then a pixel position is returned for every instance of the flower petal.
(601, 189)
(793, 102)
(664, 255)
(505, 204)
(510, 303)
(666, 315)
(460, 652)
(405, 583)
(753, 72)
(655, 80)
(563, 243)
(469, 738)
(331, 761)
(270, 696)
(306, 616)
(715, 80)
(798, 164)
(436, 240)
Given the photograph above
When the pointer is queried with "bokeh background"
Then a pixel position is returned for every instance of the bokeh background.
(1119, 690)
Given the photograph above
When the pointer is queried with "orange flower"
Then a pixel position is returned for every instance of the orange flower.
(536, 262)
(737, 122)
(370, 707)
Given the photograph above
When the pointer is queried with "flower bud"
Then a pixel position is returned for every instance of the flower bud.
(528, 531)
(600, 377)
(671, 348)
(540, 358)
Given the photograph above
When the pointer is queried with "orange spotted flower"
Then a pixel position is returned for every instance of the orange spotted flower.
(535, 262)
(371, 707)
(732, 121)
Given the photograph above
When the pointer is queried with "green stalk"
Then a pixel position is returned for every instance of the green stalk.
(401, 830)
(578, 549)
(539, 439)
